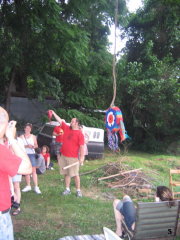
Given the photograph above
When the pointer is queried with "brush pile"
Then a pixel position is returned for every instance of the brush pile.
(131, 181)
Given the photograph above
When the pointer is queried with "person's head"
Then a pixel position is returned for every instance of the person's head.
(44, 149)
(75, 123)
(4, 118)
(164, 193)
(28, 128)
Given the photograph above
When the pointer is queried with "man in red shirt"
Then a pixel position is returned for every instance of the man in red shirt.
(10, 165)
(72, 151)
(58, 133)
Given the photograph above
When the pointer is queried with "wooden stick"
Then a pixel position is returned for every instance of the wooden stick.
(121, 173)
(94, 170)
(126, 184)
(71, 165)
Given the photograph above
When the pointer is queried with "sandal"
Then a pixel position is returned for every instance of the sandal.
(16, 212)
(15, 205)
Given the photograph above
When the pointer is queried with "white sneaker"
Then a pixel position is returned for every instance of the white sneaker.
(37, 190)
(66, 192)
(78, 193)
(26, 189)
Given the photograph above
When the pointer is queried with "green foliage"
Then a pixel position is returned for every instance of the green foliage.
(87, 119)
(150, 100)
(58, 49)
(157, 22)
(148, 76)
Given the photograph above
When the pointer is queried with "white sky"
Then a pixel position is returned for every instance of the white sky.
(132, 5)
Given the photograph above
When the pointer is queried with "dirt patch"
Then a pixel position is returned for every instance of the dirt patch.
(94, 193)
(19, 224)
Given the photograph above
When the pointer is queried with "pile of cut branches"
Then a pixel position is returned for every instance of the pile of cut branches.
(131, 181)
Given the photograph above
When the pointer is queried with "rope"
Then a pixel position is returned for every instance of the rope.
(114, 58)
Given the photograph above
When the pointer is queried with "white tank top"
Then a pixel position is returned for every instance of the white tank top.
(29, 140)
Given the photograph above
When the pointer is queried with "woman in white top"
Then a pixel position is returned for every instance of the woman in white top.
(30, 143)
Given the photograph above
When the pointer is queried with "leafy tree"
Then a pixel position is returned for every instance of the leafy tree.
(148, 75)
(57, 48)
(35, 38)
(87, 87)
(157, 22)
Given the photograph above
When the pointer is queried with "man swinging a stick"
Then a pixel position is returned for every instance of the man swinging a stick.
(72, 153)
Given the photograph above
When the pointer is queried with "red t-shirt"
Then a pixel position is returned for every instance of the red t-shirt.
(9, 164)
(45, 155)
(72, 140)
(59, 130)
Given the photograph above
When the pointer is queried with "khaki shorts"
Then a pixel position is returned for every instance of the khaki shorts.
(72, 171)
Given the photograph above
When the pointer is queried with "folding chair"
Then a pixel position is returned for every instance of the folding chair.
(155, 220)
(110, 235)
(174, 181)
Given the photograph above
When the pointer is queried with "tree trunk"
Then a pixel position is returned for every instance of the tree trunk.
(9, 90)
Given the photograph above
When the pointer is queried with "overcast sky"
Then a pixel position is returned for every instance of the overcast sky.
(132, 5)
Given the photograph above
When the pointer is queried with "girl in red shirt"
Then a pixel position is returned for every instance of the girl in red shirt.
(46, 155)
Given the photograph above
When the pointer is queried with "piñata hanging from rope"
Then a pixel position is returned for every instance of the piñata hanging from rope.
(115, 125)
(114, 119)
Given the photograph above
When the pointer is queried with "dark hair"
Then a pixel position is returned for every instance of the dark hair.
(38, 150)
(28, 125)
(79, 122)
(165, 194)
(45, 146)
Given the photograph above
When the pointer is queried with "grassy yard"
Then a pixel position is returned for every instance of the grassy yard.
(51, 215)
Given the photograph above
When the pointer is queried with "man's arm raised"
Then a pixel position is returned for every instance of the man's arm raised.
(56, 117)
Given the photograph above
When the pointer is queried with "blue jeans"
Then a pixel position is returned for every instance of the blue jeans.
(127, 209)
(6, 227)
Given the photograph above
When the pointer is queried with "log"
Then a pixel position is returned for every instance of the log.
(118, 174)
(126, 184)
(94, 170)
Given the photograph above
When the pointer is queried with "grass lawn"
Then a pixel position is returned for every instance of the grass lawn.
(51, 215)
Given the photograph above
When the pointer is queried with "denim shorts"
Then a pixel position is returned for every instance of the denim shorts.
(33, 159)
(6, 227)
(127, 209)
(17, 178)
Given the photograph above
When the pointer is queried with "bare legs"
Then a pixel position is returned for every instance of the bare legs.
(17, 198)
(129, 211)
(77, 182)
(118, 218)
(17, 192)
(34, 176)
(68, 181)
